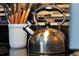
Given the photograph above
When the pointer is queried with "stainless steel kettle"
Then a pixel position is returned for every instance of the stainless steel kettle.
(46, 40)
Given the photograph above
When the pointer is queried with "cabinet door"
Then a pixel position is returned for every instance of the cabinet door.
(74, 26)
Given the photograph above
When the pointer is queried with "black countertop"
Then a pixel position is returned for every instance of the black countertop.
(5, 50)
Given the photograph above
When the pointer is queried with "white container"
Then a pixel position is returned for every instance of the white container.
(17, 36)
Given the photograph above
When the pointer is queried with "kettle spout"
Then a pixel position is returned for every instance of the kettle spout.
(28, 30)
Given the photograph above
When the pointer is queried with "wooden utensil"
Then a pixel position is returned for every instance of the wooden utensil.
(16, 14)
(19, 11)
(27, 13)
(23, 15)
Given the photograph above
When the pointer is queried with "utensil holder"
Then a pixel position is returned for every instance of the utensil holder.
(17, 36)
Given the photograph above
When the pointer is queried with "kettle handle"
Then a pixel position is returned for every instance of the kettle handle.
(48, 8)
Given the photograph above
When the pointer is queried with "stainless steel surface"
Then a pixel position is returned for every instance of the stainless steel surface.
(47, 41)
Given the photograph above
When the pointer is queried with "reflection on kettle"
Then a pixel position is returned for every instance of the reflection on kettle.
(46, 40)
(18, 52)
(29, 53)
